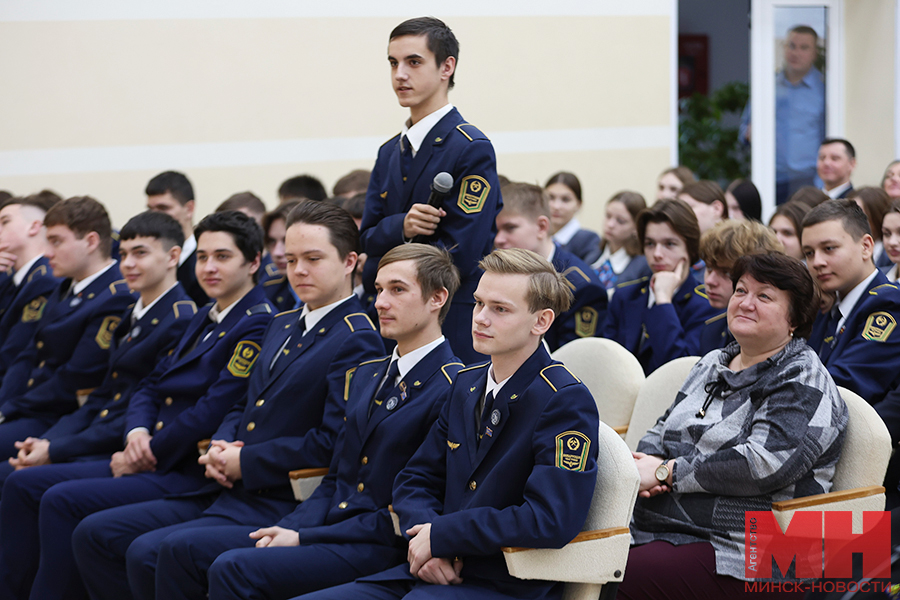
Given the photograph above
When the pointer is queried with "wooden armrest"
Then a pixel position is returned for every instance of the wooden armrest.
(819, 499)
(203, 446)
(621, 429)
(307, 473)
(584, 536)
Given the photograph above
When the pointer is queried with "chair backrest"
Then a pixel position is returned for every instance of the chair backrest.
(611, 373)
(617, 483)
(867, 446)
(656, 395)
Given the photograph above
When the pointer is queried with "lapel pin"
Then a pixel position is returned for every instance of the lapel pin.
(221, 334)
(495, 417)
(472, 389)
(417, 383)
(90, 296)
(154, 322)
(322, 330)
(75, 301)
(136, 331)
(514, 396)
(392, 403)
(488, 432)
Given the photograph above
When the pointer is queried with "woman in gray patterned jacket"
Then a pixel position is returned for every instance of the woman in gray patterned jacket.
(756, 422)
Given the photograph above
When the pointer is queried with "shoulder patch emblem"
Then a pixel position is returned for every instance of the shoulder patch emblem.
(452, 445)
(34, 310)
(243, 359)
(586, 322)
(879, 327)
(572, 450)
(105, 334)
(473, 191)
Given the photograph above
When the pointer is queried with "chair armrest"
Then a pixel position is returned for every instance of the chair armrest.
(82, 395)
(307, 473)
(395, 519)
(856, 500)
(829, 498)
(596, 557)
(621, 429)
(305, 481)
(203, 446)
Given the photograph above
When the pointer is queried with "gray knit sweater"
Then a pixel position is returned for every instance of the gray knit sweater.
(771, 432)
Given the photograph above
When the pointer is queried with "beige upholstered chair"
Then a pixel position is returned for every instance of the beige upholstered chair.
(656, 396)
(859, 472)
(610, 372)
(597, 556)
(305, 481)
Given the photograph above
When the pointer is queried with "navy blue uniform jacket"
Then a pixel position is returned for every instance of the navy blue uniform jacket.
(472, 205)
(372, 451)
(864, 356)
(187, 275)
(668, 331)
(715, 334)
(585, 244)
(291, 415)
(23, 312)
(69, 351)
(188, 394)
(278, 289)
(95, 430)
(586, 315)
(529, 483)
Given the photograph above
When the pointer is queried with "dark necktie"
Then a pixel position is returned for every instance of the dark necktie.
(831, 332)
(200, 337)
(406, 157)
(485, 413)
(300, 329)
(387, 387)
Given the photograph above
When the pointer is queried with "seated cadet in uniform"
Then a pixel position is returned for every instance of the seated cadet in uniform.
(289, 418)
(274, 277)
(720, 247)
(68, 352)
(524, 223)
(511, 460)
(149, 247)
(181, 402)
(423, 55)
(171, 192)
(344, 530)
(23, 240)
(855, 339)
(671, 304)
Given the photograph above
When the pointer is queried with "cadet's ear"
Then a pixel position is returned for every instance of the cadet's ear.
(543, 322)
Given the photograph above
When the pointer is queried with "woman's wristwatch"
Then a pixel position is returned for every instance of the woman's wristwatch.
(662, 473)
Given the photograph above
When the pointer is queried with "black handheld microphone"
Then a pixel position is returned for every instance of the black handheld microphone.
(440, 187)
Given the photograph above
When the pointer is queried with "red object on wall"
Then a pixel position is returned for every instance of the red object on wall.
(693, 65)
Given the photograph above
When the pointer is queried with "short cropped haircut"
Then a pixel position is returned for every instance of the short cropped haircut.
(852, 218)
(570, 180)
(525, 199)
(788, 274)
(807, 30)
(684, 175)
(355, 181)
(747, 196)
(680, 217)
(154, 224)
(171, 182)
(434, 270)
(809, 195)
(876, 203)
(83, 214)
(440, 39)
(302, 187)
(794, 211)
(342, 230)
(281, 212)
(38, 201)
(707, 192)
(4, 196)
(246, 200)
(634, 203)
(244, 230)
(546, 287)
(727, 241)
(355, 205)
(848, 147)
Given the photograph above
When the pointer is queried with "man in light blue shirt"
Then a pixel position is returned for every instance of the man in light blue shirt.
(799, 114)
